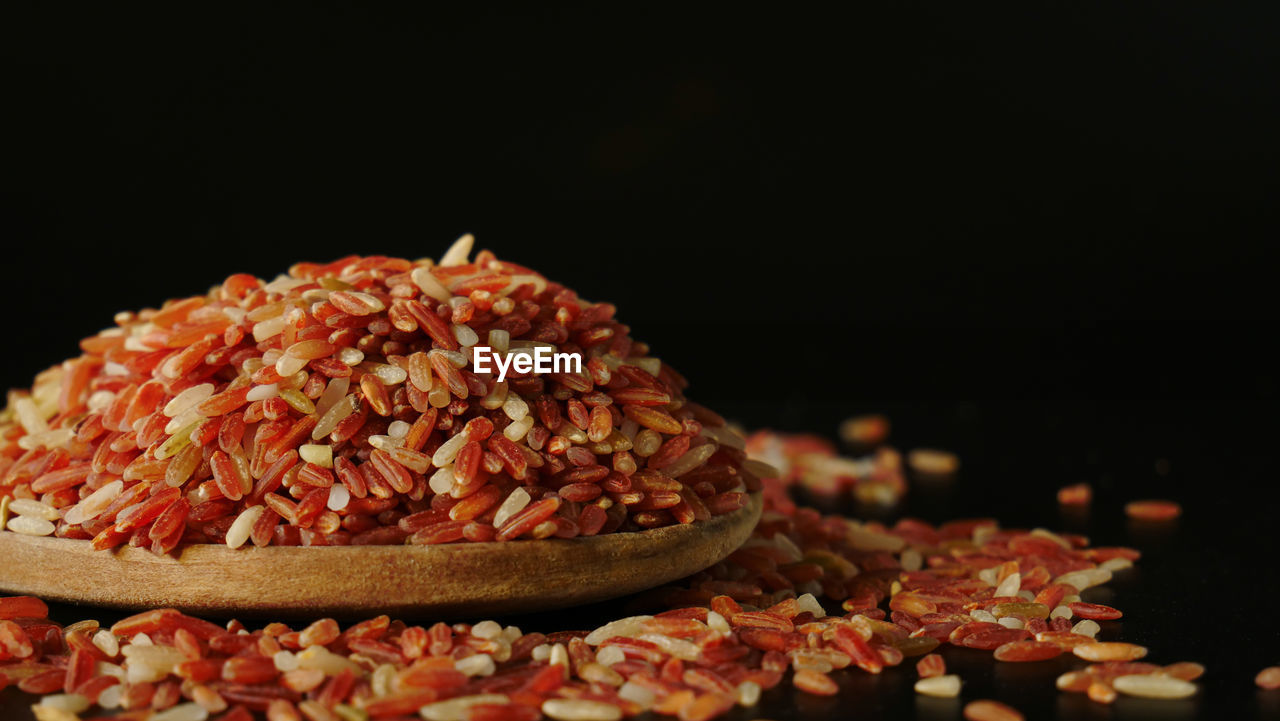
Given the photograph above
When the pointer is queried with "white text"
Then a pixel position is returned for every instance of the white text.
(538, 359)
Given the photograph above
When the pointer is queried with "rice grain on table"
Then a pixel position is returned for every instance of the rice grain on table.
(931, 665)
(30, 526)
(989, 710)
(1155, 685)
(1078, 494)
(945, 686)
(1153, 510)
(811, 463)
(933, 462)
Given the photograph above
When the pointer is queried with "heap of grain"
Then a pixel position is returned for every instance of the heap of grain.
(341, 404)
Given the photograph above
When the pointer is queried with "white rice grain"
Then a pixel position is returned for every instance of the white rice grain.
(458, 253)
(458, 708)
(187, 399)
(34, 509)
(448, 451)
(429, 284)
(945, 686)
(339, 497)
(514, 503)
(319, 454)
(564, 709)
(481, 664)
(262, 392)
(240, 529)
(30, 526)
(1153, 686)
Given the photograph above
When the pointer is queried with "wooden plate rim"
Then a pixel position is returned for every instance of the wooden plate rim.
(518, 576)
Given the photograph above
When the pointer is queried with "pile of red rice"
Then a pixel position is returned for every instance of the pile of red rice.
(338, 405)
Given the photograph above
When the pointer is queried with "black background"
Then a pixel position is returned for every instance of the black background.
(1040, 236)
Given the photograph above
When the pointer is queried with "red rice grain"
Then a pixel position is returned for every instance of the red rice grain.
(869, 430)
(1095, 611)
(931, 462)
(1268, 678)
(988, 710)
(1079, 494)
(815, 683)
(1017, 651)
(1185, 670)
(1155, 510)
(931, 665)
(1101, 692)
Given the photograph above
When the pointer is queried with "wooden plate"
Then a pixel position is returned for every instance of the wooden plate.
(455, 580)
